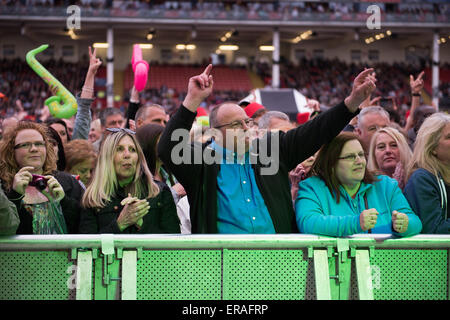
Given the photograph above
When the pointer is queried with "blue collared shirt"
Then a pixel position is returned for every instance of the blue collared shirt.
(240, 205)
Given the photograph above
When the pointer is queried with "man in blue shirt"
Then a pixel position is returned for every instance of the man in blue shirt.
(248, 190)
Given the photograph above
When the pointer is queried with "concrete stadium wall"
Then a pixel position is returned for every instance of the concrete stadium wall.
(390, 51)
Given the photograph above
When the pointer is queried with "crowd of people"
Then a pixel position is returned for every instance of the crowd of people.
(24, 93)
(230, 169)
(263, 8)
(311, 77)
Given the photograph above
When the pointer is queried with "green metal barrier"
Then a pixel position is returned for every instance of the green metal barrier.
(224, 267)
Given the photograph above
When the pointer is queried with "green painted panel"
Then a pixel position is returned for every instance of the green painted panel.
(268, 275)
(409, 274)
(183, 274)
(36, 276)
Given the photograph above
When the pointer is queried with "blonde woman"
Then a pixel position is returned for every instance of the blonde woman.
(428, 186)
(389, 153)
(122, 196)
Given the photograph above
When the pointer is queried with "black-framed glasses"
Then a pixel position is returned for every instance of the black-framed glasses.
(115, 130)
(352, 157)
(28, 145)
(249, 122)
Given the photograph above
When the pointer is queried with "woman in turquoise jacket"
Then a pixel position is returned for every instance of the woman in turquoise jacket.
(343, 198)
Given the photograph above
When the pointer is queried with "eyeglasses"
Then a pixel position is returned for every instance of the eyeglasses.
(352, 157)
(115, 130)
(249, 122)
(28, 145)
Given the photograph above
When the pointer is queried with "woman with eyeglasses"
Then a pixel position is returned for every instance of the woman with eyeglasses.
(343, 198)
(47, 200)
(123, 197)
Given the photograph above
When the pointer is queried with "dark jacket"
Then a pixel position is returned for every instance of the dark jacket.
(296, 145)
(427, 199)
(161, 218)
(70, 204)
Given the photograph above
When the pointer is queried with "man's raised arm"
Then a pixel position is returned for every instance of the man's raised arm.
(199, 88)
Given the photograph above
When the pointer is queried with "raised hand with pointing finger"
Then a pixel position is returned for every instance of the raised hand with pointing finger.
(199, 88)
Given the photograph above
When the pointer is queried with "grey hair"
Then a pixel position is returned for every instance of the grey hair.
(264, 121)
(372, 109)
(105, 113)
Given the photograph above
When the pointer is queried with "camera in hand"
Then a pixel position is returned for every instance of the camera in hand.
(38, 182)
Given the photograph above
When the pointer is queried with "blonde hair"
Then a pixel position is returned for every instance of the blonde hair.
(402, 144)
(8, 163)
(104, 183)
(426, 142)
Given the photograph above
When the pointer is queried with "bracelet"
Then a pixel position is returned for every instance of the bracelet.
(416, 94)
(88, 89)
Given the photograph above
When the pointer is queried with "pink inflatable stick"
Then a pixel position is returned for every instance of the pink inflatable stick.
(140, 68)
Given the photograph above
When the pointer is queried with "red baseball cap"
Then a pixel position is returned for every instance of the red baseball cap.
(201, 112)
(252, 108)
(302, 117)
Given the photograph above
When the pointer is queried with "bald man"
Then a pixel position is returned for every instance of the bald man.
(236, 193)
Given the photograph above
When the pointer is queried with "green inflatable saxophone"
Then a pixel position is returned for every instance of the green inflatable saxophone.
(58, 110)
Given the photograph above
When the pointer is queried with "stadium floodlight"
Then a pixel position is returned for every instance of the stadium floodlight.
(151, 34)
(146, 45)
(185, 46)
(229, 47)
(266, 48)
(72, 34)
(100, 45)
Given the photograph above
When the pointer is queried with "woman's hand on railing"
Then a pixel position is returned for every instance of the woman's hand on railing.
(400, 221)
(368, 219)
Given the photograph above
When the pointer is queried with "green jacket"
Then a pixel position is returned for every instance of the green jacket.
(9, 219)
